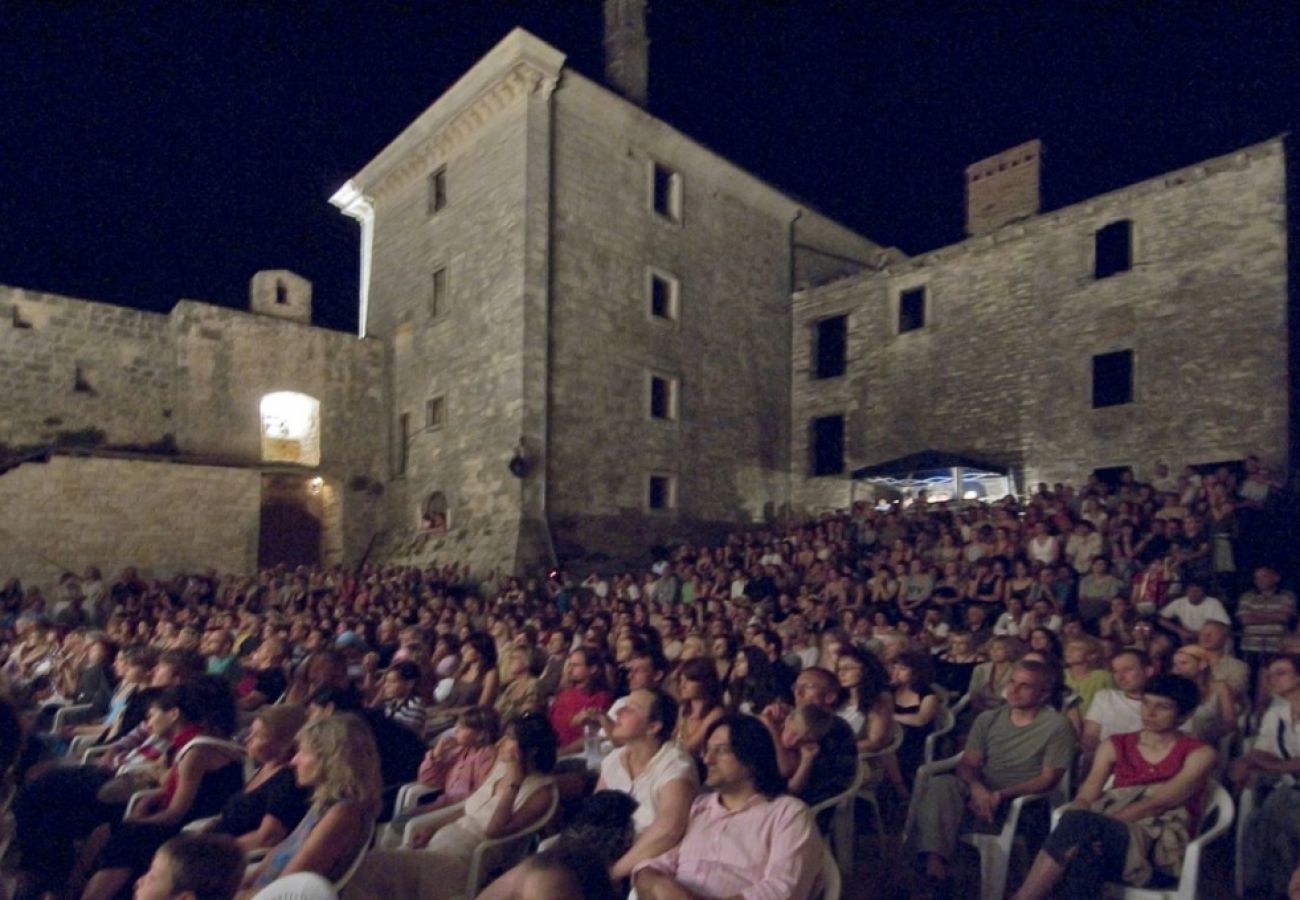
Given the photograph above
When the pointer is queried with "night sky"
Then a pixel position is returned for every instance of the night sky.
(156, 151)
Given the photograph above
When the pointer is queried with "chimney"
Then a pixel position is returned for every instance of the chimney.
(627, 49)
(1003, 188)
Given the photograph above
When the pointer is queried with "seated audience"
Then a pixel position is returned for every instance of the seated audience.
(867, 706)
(461, 760)
(1116, 710)
(584, 699)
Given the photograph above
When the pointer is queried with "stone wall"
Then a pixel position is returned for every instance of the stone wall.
(730, 254)
(162, 517)
(71, 365)
(1002, 367)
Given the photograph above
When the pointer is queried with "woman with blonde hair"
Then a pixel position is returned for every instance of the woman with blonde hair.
(338, 760)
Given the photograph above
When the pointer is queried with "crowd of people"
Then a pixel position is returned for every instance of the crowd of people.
(1134, 633)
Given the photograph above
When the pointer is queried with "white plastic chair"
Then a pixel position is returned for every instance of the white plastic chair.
(831, 880)
(994, 849)
(1216, 819)
(867, 790)
(491, 855)
(1246, 802)
(408, 797)
(842, 834)
(298, 886)
(67, 715)
(944, 722)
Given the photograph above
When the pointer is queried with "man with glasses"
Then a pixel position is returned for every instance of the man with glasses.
(1022, 748)
(745, 837)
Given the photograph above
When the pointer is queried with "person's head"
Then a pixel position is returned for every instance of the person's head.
(272, 736)
(1083, 650)
(1045, 641)
(478, 726)
(1130, 669)
(1213, 636)
(1195, 593)
(911, 669)
(738, 752)
(1191, 661)
(647, 713)
(206, 703)
(338, 760)
(816, 686)
(569, 870)
(807, 724)
(645, 669)
(1283, 673)
(177, 666)
(585, 668)
(860, 670)
(193, 867)
(1001, 649)
(479, 650)
(1030, 685)
(400, 681)
(534, 738)
(1167, 701)
(1266, 579)
(697, 679)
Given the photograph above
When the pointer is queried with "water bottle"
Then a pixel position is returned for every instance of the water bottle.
(591, 743)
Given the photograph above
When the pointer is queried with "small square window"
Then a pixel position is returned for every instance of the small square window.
(661, 492)
(1113, 246)
(437, 189)
(663, 295)
(666, 192)
(1112, 379)
(827, 450)
(438, 292)
(663, 397)
(435, 412)
(911, 309)
(830, 347)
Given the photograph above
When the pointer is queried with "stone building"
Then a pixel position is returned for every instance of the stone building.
(204, 437)
(1147, 324)
(584, 334)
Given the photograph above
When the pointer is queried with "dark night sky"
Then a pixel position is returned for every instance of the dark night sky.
(154, 151)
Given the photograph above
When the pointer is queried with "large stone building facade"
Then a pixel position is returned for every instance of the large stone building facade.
(583, 334)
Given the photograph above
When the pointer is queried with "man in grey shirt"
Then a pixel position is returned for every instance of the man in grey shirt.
(1022, 748)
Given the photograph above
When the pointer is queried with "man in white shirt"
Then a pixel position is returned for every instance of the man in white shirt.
(1188, 613)
(1116, 710)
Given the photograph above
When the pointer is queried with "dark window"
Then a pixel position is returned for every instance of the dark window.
(1112, 476)
(281, 293)
(435, 412)
(827, 446)
(1112, 379)
(81, 381)
(666, 192)
(437, 189)
(662, 402)
(1114, 249)
(911, 309)
(18, 320)
(660, 494)
(438, 292)
(829, 347)
(403, 441)
(663, 302)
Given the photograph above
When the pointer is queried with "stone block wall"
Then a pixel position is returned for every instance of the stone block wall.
(1002, 367)
(162, 517)
(72, 365)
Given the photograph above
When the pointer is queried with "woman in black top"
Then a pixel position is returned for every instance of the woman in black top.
(271, 803)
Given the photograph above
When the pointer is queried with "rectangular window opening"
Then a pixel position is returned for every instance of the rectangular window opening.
(81, 381)
(435, 412)
(663, 397)
(661, 492)
(827, 450)
(437, 189)
(403, 442)
(830, 347)
(663, 296)
(666, 192)
(438, 292)
(18, 320)
(911, 309)
(1114, 249)
(1112, 379)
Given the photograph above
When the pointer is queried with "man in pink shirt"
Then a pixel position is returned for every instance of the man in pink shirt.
(746, 839)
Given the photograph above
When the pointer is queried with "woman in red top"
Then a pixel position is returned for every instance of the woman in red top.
(1159, 779)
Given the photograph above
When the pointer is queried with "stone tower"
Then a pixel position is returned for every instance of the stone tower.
(280, 293)
(627, 49)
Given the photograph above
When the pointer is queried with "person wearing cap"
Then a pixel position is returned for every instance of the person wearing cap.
(1216, 715)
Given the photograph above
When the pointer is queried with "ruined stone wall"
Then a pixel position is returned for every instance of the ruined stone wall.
(71, 365)
(163, 517)
(1002, 367)
(469, 351)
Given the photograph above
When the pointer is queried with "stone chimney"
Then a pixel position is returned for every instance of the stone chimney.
(627, 49)
(280, 293)
(1003, 188)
